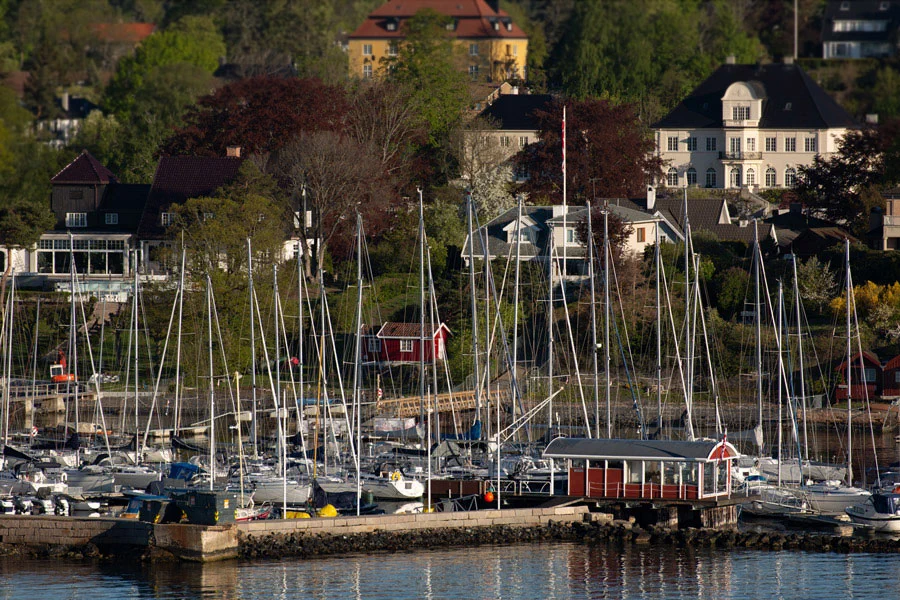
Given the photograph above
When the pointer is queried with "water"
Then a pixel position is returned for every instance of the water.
(528, 571)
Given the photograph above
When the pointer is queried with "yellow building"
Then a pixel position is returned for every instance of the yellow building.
(491, 47)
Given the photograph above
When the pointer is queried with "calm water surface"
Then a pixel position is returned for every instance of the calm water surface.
(539, 571)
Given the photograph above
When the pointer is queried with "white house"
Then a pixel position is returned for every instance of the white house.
(749, 126)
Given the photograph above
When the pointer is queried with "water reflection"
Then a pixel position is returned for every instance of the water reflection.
(538, 571)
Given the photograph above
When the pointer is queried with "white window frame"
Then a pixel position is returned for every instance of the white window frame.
(734, 176)
(523, 141)
(712, 144)
(374, 345)
(505, 141)
(367, 71)
(692, 144)
(771, 144)
(406, 346)
(712, 178)
(672, 177)
(771, 177)
(751, 144)
(111, 218)
(691, 176)
(76, 219)
(570, 235)
(166, 218)
(751, 176)
(672, 143)
(790, 144)
(810, 144)
(790, 177)
(473, 49)
(367, 49)
(392, 49)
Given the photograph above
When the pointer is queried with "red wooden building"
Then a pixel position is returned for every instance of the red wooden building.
(865, 377)
(890, 379)
(645, 469)
(399, 343)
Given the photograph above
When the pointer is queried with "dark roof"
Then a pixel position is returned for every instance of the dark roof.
(497, 244)
(868, 357)
(516, 111)
(673, 450)
(84, 170)
(79, 108)
(474, 19)
(860, 10)
(125, 197)
(814, 240)
(179, 178)
(407, 330)
(782, 84)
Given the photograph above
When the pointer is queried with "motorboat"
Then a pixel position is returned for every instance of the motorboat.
(881, 511)
(832, 497)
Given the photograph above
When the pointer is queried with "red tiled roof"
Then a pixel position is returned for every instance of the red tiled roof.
(406, 330)
(84, 170)
(179, 178)
(475, 19)
(132, 33)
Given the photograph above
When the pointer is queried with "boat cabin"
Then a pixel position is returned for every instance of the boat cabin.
(646, 469)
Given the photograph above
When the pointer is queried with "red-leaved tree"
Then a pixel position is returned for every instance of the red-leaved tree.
(609, 153)
(260, 114)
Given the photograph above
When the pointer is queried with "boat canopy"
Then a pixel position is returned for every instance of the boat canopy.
(644, 450)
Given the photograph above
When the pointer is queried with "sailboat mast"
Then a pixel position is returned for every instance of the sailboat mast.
(212, 393)
(515, 349)
(849, 292)
(757, 259)
(689, 389)
(659, 317)
(606, 317)
(253, 425)
(590, 245)
(780, 371)
(73, 336)
(422, 372)
(137, 310)
(357, 357)
(474, 305)
(178, 390)
(800, 357)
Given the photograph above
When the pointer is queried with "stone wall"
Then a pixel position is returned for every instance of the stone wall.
(30, 530)
(521, 517)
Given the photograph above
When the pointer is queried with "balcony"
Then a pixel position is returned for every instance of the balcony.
(740, 155)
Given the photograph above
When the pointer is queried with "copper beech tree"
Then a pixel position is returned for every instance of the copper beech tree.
(609, 154)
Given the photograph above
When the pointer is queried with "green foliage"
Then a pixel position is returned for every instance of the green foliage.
(425, 65)
(193, 40)
(817, 283)
(732, 291)
(886, 93)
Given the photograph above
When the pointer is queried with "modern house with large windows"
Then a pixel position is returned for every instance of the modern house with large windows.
(490, 47)
(96, 217)
(749, 126)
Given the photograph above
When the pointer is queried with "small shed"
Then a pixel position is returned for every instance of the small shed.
(646, 469)
(865, 377)
(399, 343)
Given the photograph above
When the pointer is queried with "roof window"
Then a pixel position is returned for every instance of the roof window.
(787, 106)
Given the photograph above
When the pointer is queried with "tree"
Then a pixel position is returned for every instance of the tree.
(817, 283)
(476, 149)
(192, 40)
(260, 114)
(491, 192)
(334, 177)
(609, 154)
(425, 66)
(618, 230)
(732, 291)
(844, 187)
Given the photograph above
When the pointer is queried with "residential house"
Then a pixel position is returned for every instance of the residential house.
(865, 377)
(545, 228)
(884, 233)
(490, 46)
(513, 125)
(177, 179)
(63, 128)
(860, 29)
(96, 220)
(398, 343)
(891, 379)
(749, 126)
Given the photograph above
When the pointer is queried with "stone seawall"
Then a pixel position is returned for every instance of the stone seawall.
(27, 530)
(519, 517)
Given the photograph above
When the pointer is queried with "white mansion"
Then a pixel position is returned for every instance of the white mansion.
(749, 126)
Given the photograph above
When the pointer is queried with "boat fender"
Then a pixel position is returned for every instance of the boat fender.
(395, 476)
(64, 477)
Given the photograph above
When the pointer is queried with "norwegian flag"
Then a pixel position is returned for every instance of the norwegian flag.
(564, 145)
(722, 447)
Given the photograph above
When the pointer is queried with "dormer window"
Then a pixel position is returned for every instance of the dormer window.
(391, 25)
(451, 25)
(740, 113)
(788, 106)
(496, 25)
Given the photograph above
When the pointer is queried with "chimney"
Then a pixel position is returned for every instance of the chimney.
(494, 5)
(64, 101)
(233, 151)
(730, 59)
(651, 198)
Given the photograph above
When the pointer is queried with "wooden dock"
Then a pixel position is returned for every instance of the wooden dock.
(411, 406)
